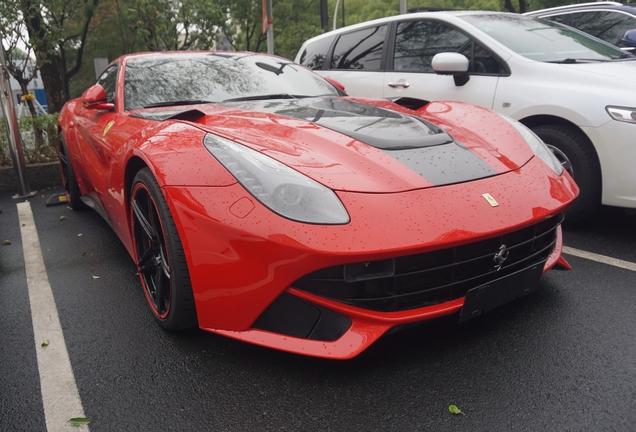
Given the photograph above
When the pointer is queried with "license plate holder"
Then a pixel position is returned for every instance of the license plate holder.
(500, 291)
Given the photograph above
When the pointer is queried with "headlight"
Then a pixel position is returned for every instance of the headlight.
(538, 147)
(278, 187)
(623, 114)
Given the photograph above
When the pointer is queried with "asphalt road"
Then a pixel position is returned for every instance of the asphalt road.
(561, 359)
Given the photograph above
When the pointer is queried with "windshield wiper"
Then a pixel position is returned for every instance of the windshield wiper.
(576, 60)
(178, 102)
(266, 97)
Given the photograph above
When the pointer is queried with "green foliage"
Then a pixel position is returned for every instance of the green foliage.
(170, 25)
(32, 152)
(357, 11)
(492, 5)
(294, 22)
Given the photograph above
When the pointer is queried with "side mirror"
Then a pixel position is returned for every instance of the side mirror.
(94, 98)
(335, 83)
(628, 41)
(454, 64)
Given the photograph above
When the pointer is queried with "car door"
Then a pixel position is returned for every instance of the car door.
(410, 74)
(91, 127)
(357, 61)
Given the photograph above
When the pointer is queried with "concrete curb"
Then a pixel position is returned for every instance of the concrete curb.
(38, 175)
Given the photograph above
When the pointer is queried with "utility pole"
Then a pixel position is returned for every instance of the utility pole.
(270, 28)
(13, 132)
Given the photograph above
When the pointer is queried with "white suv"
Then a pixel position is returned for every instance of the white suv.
(576, 92)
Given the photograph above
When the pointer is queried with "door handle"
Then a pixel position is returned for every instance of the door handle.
(401, 83)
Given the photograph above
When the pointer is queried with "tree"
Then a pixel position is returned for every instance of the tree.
(57, 31)
(243, 26)
(171, 25)
(294, 22)
(19, 62)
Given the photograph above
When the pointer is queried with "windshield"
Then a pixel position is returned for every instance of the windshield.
(182, 78)
(543, 40)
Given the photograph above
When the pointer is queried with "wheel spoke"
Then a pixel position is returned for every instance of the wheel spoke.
(160, 292)
(147, 260)
(143, 222)
(164, 263)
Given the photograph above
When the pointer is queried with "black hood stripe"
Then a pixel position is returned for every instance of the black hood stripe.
(444, 164)
(420, 145)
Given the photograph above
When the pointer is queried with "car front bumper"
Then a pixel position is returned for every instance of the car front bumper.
(242, 257)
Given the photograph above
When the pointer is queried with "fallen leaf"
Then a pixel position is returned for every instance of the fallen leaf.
(79, 235)
(6, 242)
(454, 410)
(79, 421)
(83, 253)
(23, 224)
(46, 343)
(95, 277)
(62, 217)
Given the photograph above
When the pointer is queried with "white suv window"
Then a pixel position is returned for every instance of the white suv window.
(315, 53)
(416, 42)
(361, 49)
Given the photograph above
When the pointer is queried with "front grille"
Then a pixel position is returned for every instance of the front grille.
(426, 279)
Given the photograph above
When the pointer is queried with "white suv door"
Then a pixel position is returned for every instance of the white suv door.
(409, 72)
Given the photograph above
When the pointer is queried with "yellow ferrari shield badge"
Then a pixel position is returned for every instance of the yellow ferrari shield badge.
(107, 128)
(493, 202)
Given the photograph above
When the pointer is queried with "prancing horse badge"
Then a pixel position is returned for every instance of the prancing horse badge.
(493, 202)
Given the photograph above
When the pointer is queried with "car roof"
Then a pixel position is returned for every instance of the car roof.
(415, 15)
(608, 5)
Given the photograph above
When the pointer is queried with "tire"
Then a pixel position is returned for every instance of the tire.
(69, 181)
(159, 255)
(579, 158)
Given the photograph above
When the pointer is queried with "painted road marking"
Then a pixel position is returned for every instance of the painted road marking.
(59, 392)
(600, 258)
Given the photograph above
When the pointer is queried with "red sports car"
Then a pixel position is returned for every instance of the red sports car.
(261, 203)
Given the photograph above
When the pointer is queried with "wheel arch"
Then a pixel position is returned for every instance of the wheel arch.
(542, 120)
(134, 165)
(539, 120)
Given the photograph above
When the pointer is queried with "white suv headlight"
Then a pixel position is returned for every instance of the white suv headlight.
(623, 114)
(277, 186)
(537, 145)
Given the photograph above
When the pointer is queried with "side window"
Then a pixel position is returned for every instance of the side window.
(108, 80)
(605, 25)
(417, 42)
(313, 57)
(561, 19)
(361, 49)
(482, 62)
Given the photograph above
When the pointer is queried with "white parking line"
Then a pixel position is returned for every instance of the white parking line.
(600, 258)
(59, 392)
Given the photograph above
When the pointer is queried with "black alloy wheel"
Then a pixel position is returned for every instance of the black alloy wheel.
(159, 254)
